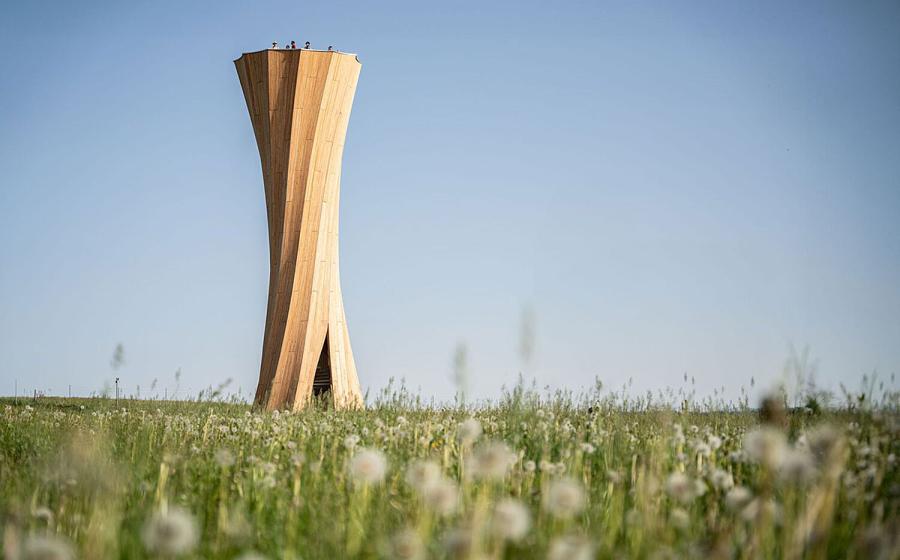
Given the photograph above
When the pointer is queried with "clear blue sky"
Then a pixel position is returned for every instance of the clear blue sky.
(671, 188)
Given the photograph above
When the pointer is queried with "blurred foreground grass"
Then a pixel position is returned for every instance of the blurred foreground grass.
(525, 477)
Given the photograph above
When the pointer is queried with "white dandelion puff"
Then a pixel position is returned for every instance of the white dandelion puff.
(797, 466)
(47, 548)
(173, 533)
(368, 466)
(511, 520)
(737, 498)
(469, 430)
(766, 446)
(422, 473)
(570, 548)
(406, 545)
(680, 487)
(564, 498)
(679, 518)
(492, 461)
(722, 480)
(351, 441)
(441, 496)
(224, 458)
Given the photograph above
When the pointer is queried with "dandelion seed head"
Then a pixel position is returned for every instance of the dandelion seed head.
(680, 487)
(224, 458)
(679, 518)
(421, 474)
(737, 498)
(173, 533)
(492, 460)
(511, 520)
(469, 430)
(406, 545)
(441, 496)
(564, 498)
(797, 466)
(47, 548)
(722, 480)
(44, 514)
(570, 548)
(251, 555)
(351, 441)
(458, 543)
(368, 466)
(766, 445)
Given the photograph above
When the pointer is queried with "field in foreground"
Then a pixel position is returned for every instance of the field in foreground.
(520, 479)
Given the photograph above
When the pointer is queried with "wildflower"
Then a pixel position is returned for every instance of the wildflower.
(714, 442)
(469, 430)
(351, 441)
(570, 548)
(441, 496)
(44, 514)
(797, 466)
(722, 480)
(564, 498)
(458, 543)
(422, 473)
(224, 458)
(737, 498)
(250, 555)
(679, 518)
(702, 449)
(492, 461)
(766, 446)
(756, 507)
(737, 456)
(236, 526)
(173, 533)
(680, 487)
(821, 441)
(699, 488)
(614, 477)
(368, 466)
(47, 548)
(529, 466)
(511, 520)
(632, 518)
(406, 545)
(297, 459)
(587, 448)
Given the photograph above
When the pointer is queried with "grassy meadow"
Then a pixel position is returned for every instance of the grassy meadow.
(528, 476)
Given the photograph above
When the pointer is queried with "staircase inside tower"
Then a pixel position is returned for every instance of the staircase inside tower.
(322, 380)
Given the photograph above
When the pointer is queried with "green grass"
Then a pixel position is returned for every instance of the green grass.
(91, 476)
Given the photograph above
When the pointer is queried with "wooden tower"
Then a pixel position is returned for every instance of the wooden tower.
(299, 102)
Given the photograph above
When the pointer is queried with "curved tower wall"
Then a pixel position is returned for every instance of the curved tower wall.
(299, 102)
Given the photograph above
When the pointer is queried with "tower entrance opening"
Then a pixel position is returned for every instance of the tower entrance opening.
(322, 380)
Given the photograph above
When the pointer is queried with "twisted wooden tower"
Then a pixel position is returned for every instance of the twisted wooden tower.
(299, 102)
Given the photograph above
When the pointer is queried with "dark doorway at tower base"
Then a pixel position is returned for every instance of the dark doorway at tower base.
(322, 380)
